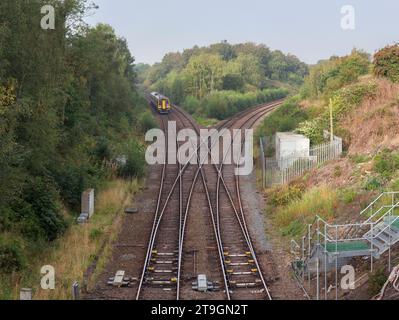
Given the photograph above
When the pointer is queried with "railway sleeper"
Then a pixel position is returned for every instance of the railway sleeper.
(164, 253)
(241, 273)
(246, 254)
(160, 283)
(238, 264)
(247, 285)
(164, 280)
(163, 261)
(153, 270)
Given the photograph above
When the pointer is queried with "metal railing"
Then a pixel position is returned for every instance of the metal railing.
(282, 170)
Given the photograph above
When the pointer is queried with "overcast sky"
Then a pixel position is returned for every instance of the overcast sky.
(309, 29)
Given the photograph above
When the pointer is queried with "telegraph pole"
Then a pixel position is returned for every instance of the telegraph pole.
(331, 121)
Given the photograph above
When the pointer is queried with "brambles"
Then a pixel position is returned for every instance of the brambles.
(348, 196)
(11, 256)
(386, 63)
(372, 184)
(386, 163)
(376, 281)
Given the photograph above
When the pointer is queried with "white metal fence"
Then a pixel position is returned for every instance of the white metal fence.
(285, 169)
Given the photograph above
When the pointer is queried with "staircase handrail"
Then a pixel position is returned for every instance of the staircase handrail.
(293, 247)
(386, 228)
(345, 238)
(392, 207)
(378, 198)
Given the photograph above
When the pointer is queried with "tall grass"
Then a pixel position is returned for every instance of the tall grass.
(293, 218)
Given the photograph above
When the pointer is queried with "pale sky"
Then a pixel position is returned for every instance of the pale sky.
(309, 29)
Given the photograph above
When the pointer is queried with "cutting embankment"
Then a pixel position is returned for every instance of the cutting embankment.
(364, 98)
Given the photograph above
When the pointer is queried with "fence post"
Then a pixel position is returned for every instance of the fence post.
(75, 291)
(262, 151)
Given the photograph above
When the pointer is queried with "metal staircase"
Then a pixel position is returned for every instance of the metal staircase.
(326, 247)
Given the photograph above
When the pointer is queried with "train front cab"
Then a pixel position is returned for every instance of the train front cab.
(163, 105)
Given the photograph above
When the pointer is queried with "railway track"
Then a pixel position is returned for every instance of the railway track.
(244, 273)
(165, 258)
(230, 227)
(161, 274)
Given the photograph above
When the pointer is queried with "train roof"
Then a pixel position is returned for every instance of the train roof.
(158, 95)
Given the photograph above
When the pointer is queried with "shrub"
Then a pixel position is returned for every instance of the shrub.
(348, 196)
(343, 101)
(135, 162)
(74, 177)
(395, 185)
(41, 210)
(191, 104)
(376, 280)
(223, 104)
(359, 158)
(102, 150)
(331, 75)
(285, 118)
(386, 163)
(313, 129)
(295, 228)
(337, 171)
(372, 184)
(11, 256)
(147, 121)
(386, 63)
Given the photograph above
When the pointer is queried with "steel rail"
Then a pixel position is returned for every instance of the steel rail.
(244, 229)
(254, 116)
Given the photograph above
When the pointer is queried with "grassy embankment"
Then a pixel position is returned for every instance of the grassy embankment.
(365, 110)
(76, 250)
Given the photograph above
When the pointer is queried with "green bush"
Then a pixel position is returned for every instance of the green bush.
(386, 163)
(348, 196)
(11, 256)
(343, 101)
(359, 158)
(386, 63)
(147, 121)
(331, 75)
(73, 178)
(102, 149)
(285, 118)
(41, 210)
(376, 280)
(223, 104)
(135, 162)
(313, 129)
(191, 104)
(395, 185)
(372, 184)
(295, 228)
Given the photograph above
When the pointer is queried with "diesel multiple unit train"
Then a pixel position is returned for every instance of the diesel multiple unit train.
(160, 102)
